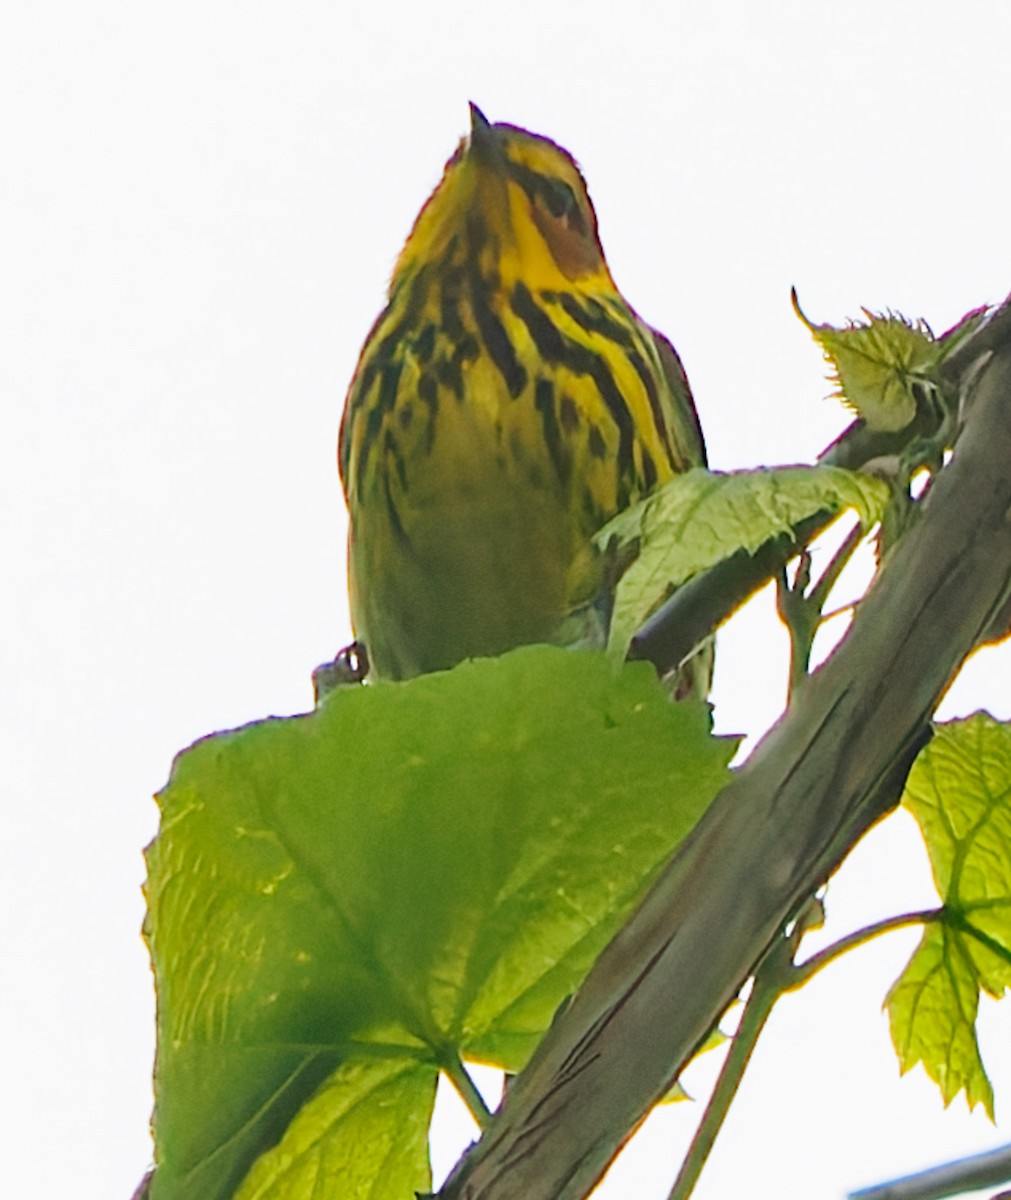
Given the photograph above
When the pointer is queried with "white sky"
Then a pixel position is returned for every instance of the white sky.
(199, 209)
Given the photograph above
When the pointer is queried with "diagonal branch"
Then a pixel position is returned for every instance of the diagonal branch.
(827, 771)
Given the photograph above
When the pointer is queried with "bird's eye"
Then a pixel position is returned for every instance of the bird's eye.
(559, 198)
(561, 202)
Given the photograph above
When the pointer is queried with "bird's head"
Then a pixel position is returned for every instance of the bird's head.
(515, 205)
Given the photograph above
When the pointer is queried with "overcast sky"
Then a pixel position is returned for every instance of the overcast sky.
(200, 207)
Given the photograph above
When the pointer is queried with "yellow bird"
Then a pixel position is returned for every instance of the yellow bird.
(507, 403)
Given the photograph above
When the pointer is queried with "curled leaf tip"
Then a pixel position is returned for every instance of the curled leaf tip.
(795, 301)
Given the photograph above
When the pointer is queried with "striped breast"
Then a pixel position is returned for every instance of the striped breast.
(488, 434)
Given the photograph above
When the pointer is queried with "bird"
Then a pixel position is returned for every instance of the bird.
(507, 402)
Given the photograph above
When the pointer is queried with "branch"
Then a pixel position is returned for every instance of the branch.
(952, 1179)
(810, 967)
(772, 978)
(830, 768)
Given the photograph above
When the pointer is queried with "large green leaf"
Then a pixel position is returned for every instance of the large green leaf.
(702, 517)
(959, 790)
(364, 1136)
(413, 872)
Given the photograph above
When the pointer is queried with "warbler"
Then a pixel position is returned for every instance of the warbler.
(507, 403)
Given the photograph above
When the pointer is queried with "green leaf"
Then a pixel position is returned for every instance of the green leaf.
(414, 871)
(932, 1011)
(876, 365)
(702, 517)
(959, 790)
(363, 1136)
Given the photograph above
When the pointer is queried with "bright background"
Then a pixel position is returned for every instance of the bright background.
(200, 206)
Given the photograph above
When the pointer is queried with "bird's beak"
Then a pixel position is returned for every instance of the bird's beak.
(483, 142)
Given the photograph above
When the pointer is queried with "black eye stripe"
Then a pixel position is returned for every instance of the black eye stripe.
(555, 194)
(559, 197)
